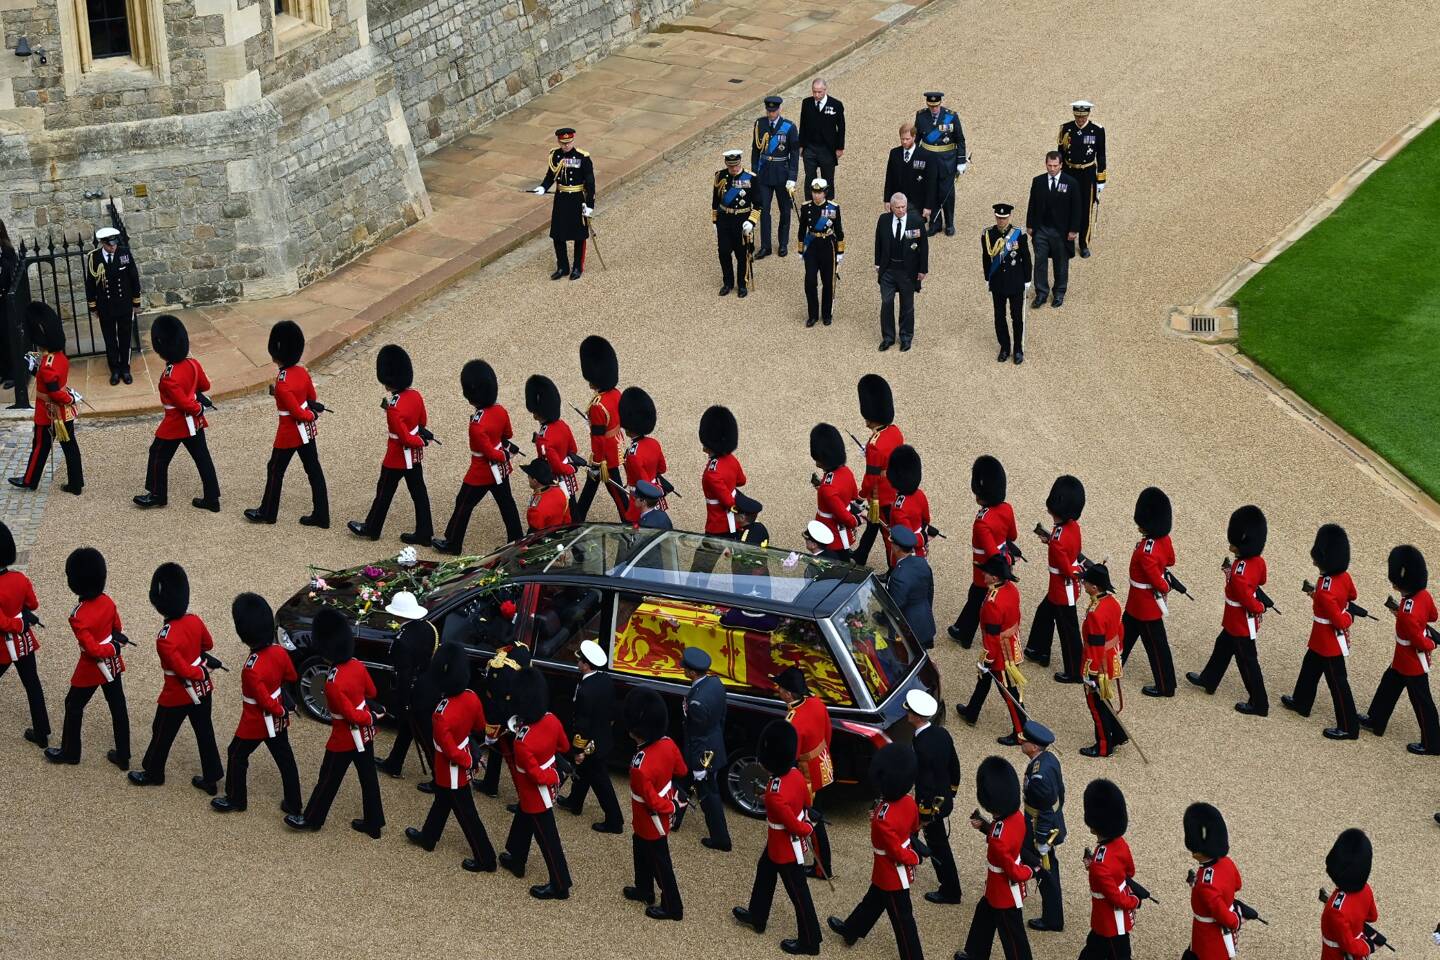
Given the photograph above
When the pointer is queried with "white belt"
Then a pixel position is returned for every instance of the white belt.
(1232, 603)
(393, 436)
(1142, 586)
(776, 826)
(355, 734)
(464, 744)
(303, 406)
(1401, 642)
(1330, 943)
(713, 503)
(980, 551)
(825, 516)
(1054, 570)
(1321, 620)
(1202, 919)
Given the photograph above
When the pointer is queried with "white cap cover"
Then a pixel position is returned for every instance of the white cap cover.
(921, 704)
(820, 533)
(592, 653)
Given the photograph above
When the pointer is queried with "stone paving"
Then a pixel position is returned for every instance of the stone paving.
(22, 510)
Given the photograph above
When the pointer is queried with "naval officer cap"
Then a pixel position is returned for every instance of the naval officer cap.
(695, 659)
(592, 653)
(934, 96)
(821, 534)
(733, 156)
(1082, 106)
(565, 133)
(648, 490)
(921, 704)
(819, 183)
(773, 103)
(107, 235)
(1003, 209)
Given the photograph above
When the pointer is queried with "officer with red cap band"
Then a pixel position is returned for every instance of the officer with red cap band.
(1100, 666)
(1409, 668)
(1145, 605)
(998, 912)
(655, 770)
(182, 393)
(836, 495)
(96, 625)
(601, 369)
(810, 717)
(993, 532)
(298, 408)
(1056, 612)
(1111, 869)
(572, 173)
(1213, 886)
(1331, 597)
(490, 452)
(877, 409)
(17, 638)
(407, 436)
(54, 401)
(1244, 610)
(1000, 622)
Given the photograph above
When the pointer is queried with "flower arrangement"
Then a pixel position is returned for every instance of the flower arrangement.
(363, 591)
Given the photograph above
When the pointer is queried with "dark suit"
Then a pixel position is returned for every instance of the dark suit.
(937, 779)
(1051, 216)
(914, 178)
(1005, 260)
(898, 267)
(822, 134)
(593, 723)
(410, 655)
(912, 587)
(705, 733)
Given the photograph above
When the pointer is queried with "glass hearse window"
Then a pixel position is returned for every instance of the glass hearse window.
(479, 622)
(726, 566)
(747, 647)
(883, 654)
(566, 616)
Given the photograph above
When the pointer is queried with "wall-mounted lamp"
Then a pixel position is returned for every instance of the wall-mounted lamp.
(22, 49)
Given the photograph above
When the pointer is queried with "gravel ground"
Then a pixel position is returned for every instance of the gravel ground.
(1226, 120)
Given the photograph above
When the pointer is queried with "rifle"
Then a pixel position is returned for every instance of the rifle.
(1012, 547)
(424, 434)
(205, 402)
(1135, 886)
(1244, 909)
(667, 486)
(1176, 585)
(28, 618)
(1352, 608)
(1374, 937)
(1041, 532)
(1260, 593)
(319, 407)
(933, 532)
(212, 662)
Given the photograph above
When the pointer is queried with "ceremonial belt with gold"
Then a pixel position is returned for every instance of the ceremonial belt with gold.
(1080, 166)
(739, 211)
(563, 188)
(1035, 811)
(942, 148)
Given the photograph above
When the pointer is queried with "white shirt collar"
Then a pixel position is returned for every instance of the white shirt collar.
(921, 729)
(823, 100)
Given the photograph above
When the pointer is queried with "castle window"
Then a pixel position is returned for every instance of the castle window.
(109, 29)
(125, 37)
(297, 21)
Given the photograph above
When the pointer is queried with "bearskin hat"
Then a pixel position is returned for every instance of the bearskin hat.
(1247, 531)
(478, 384)
(778, 743)
(44, 326)
(1153, 513)
(287, 343)
(877, 403)
(987, 481)
(7, 546)
(170, 591)
(792, 680)
(645, 715)
(892, 771)
(451, 666)
(542, 398)
(1205, 831)
(1099, 575)
(85, 572)
(827, 447)
(531, 696)
(637, 412)
(997, 787)
(1349, 860)
(331, 635)
(1407, 569)
(1105, 812)
(598, 363)
(719, 433)
(903, 470)
(393, 368)
(1331, 552)
(254, 620)
(1067, 498)
(169, 338)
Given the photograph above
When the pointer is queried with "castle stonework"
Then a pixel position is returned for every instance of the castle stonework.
(253, 146)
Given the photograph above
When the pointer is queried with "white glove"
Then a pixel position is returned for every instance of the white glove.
(961, 168)
(747, 227)
(76, 394)
(701, 774)
(790, 186)
(586, 211)
(1099, 188)
(537, 190)
(839, 259)
(1027, 284)
(31, 363)
(1042, 848)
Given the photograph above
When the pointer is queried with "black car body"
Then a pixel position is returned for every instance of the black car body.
(643, 596)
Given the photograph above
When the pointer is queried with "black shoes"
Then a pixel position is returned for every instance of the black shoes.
(125, 375)
(297, 822)
(660, 913)
(1091, 751)
(72, 489)
(20, 482)
(949, 230)
(575, 273)
(725, 290)
(1035, 923)
(954, 633)
(54, 755)
(415, 836)
(225, 805)
(784, 250)
(939, 896)
(742, 293)
(809, 322)
(254, 515)
(147, 500)
(1003, 355)
(358, 528)
(633, 893)
(560, 273)
(1042, 660)
(1085, 253)
(904, 346)
(1419, 750)
(1288, 702)
(114, 378)
(114, 757)
(1009, 740)
(743, 916)
(508, 862)
(1062, 677)
(310, 520)
(142, 779)
(201, 503)
(475, 866)
(1154, 691)
(1039, 301)
(1019, 357)
(1250, 710)
(360, 826)
(796, 949)
(886, 344)
(1335, 733)
(416, 539)
(600, 826)
(548, 891)
(426, 786)
(826, 320)
(964, 715)
(1199, 681)
(41, 740)
(762, 253)
(710, 843)
(1057, 301)
(1364, 720)
(838, 925)
(208, 786)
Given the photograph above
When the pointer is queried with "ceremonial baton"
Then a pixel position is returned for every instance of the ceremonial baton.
(1019, 707)
(1121, 726)
(595, 239)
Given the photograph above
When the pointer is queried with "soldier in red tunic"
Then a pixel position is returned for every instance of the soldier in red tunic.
(1056, 612)
(54, 401)
(554, 443)
(264, 715)
(549, 507)
(654, 771)
(601, 370)
(997, 788)
(787, 833)
(1243, 612)
(1113, 901)
(893, 821)
(644, 459)
(1331, 597)
(407, 437)
(1145, 607)
(298, 408)
(1000, 621)
(490, 451)
(1100, 667)
(992, 532)
(1414, 640)
(458, 718)
(96, 626)
(350, 697)
(539, 744)
(836, 497)
(721, 480)
(1213, 885)
(182, 393)
(1345, 922)
(877, 408)
(910, 508)
(17, 639)
(811, 719)
(184, 644)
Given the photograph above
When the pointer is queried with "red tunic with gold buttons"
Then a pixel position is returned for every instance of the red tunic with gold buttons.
(722, 477)
(832, 505)
(1103, 621)
(533, 766)
(348, 691)
(1062, 557)
(653, 772)
(892, 825)
(456, 720)
(95, 623)
(876, 484)
(52, 379)
(180, 644)
(489, 463)
(1342, 924)
(1148, 586)
(1112, 905)
(1241, 605)
(1330, 620)
(17, 593)
(913, 511)
(262, 713)
(604, 417)
(1212, 907)
(786, 798)
(1412, 641)
(184, 416)
(1000, 624)
(811, 721)
(556, 445)
(548, 508)
(404, 416)
(644, 460)
(1005, 875)
(294, 392)
(993, 528)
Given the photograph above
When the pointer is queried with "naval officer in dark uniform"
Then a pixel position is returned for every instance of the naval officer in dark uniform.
(1005, 258)
(112, 289)
(704, 747)
(591, 738)
(734, 213)
(936, 784)
(822, 247)
(941, 134)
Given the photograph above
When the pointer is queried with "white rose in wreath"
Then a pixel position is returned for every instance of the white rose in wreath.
(407, 557)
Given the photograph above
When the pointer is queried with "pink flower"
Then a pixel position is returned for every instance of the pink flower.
(374, 573)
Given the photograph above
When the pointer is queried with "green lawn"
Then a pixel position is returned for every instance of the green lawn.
(1349, 316)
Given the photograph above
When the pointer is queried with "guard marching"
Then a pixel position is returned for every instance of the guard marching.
(1005, 259)
(1346, 923)
(941, 134)
(809, 716)
(992, 532)
(554, 443)
(1213, 886)
(1100, 665)
(937, 781)
(1409, 668)
(877, 409)
(654, 770)
(601, 369)
(1000, 623)
(644, 458)
(539, 741)
(572, 173)
(1056, 612)
(836, 495)
(1082, 148)
(1111, 868)
(1332, 598)
(911, 507)
(1145, 606)
(775, 158)
(112, 290)
(1006, 880)
(407, 437)
(1240, 626)
(17, 621)
(491, 448)
(1044, 793)
(733, 195)
(96, 625)
(298, 409)
(182, 394)
(822, 247)
(55, 418)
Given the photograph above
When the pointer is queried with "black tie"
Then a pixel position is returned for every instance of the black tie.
(907, 156)
(1052, 184)
(897, 229)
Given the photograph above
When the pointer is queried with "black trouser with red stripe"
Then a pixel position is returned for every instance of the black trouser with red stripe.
(1108, 734)
(1337, 678)
(237, 759)
(469, 498)
(989, 921)
(1152, 634)
(969, 619)
(562, 259)
(587, 495)
(1382, 705)
(332, 774)
(75, 703)
(157, 473)
(40, 452)
(166, 725)
(982, 690)
(461, 801)
(385, 488)
(895, 903)
(1051, 618)
(542, 827)
(762, 895)
(275, 478)
(653, 868)
(1247, 661)
(1105, 948)
(34, 693)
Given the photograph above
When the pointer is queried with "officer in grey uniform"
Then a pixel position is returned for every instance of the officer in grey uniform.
(705, 744)
(1044, 793)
